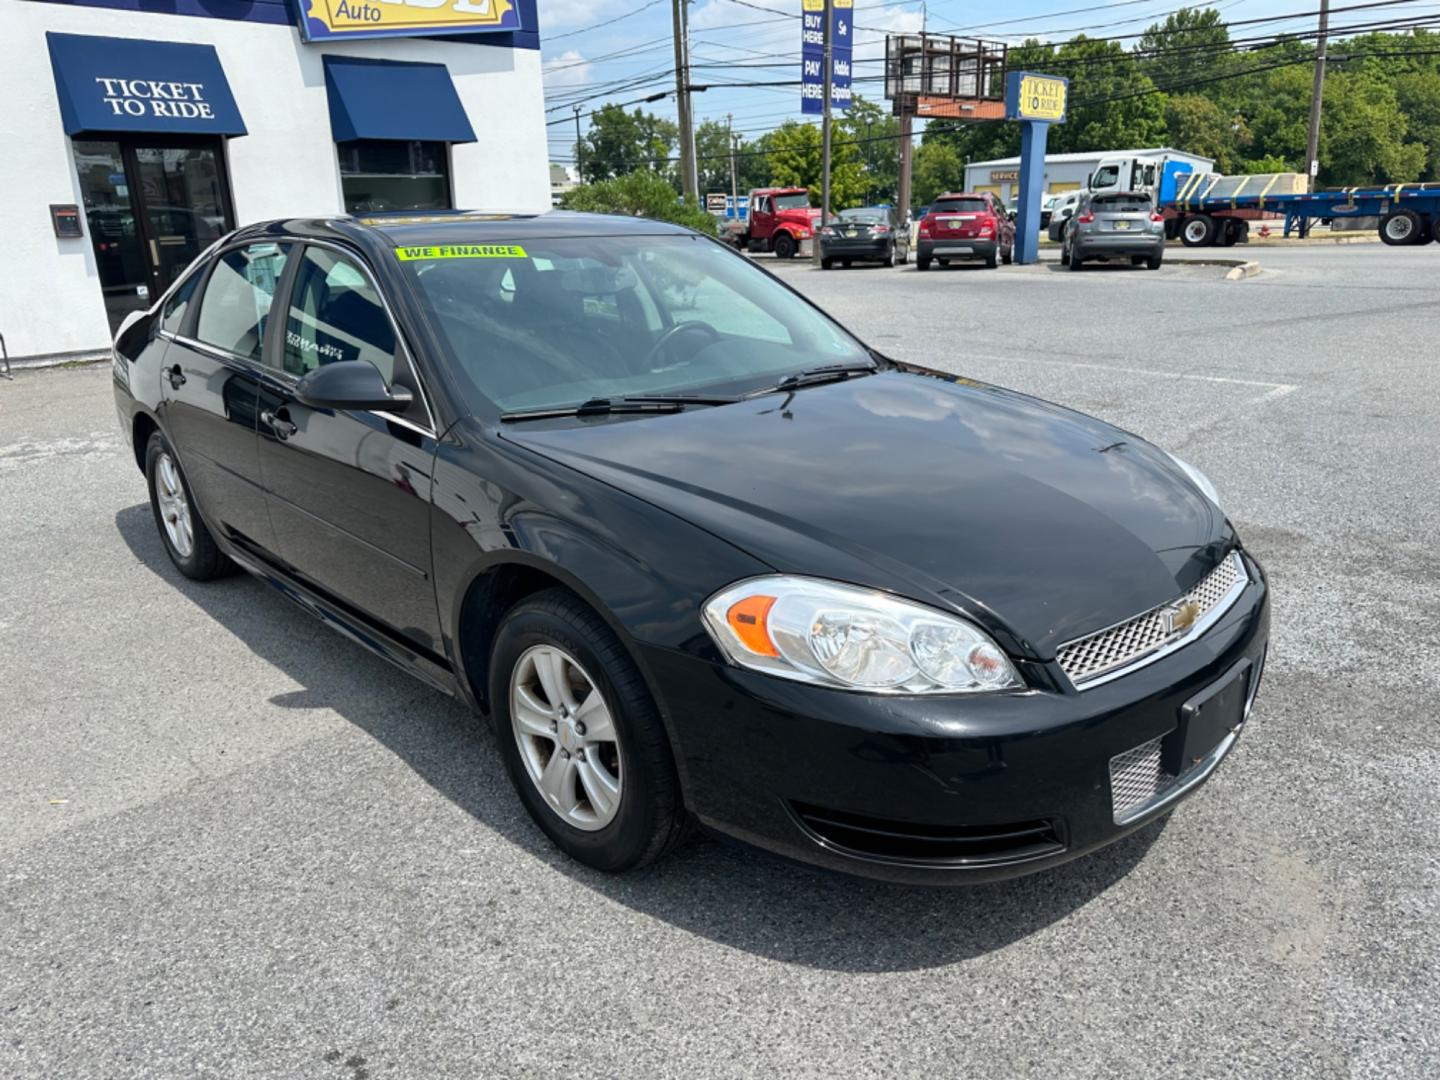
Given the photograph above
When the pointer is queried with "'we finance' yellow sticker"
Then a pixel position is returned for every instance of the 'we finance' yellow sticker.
(461, 251)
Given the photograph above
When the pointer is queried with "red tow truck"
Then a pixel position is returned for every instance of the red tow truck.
(779, 220)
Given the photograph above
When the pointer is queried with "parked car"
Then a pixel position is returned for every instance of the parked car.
(1061, 212)
(1115, 225)
(660, 518)
(962, 226)
(866, 234)
(1047, 205)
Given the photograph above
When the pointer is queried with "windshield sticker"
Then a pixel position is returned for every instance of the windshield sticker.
(461, 251)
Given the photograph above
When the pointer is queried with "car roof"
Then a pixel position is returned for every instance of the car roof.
(959, 195)
(425, 228)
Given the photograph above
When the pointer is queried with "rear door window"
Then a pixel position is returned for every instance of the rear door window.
(235, 309)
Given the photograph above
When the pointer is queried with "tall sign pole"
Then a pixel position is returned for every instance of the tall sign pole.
(1317, 93)
(825, 121)
(734, 189)
(579, 148)
(1037, 101)
(688, 180)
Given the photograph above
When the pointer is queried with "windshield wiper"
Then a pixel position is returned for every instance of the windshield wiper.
(684, 399)
(816, 375)
(659, 403)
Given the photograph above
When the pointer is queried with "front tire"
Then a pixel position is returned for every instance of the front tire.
(581, 735)
(784, 245)
(187, 541)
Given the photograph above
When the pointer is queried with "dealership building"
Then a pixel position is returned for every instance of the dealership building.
(138, 131)
(1063, 172)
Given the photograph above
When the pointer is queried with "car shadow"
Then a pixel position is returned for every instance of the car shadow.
(726, 892)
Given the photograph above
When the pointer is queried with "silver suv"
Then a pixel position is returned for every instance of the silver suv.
(1114, 225)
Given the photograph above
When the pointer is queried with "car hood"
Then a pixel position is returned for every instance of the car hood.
(1041, 523)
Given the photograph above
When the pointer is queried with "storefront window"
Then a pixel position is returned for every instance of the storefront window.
(382, 174)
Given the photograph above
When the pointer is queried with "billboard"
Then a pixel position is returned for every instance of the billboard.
(812, 54)
(340, 20)
(1035, 97)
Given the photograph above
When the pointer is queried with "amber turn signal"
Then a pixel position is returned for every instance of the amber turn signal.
(747, 618)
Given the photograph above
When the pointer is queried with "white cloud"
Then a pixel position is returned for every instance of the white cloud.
(570, 68)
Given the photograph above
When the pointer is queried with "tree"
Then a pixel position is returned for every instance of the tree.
(1113, 104)
(1198, 125)
(712, 156)
(619, 142)
(876, 136)
(642, 193)
(936, 167)
(1190, 45)
(795, 153)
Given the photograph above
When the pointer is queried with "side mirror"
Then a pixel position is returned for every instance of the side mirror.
(350, 384)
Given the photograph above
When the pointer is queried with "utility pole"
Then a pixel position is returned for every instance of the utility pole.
(824, 139)
(906, 163)
(1312, 141)
(579, 148)
(734, 190)
(689, 183)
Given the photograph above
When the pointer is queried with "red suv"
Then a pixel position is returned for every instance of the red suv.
(965, 226)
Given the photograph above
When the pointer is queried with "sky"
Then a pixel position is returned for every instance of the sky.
(622, 50)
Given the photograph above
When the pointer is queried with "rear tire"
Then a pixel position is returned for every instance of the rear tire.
(187, 541)
(922, 263)
(889, 259)
(1401, 228)
(1198, 231)
(784, 245)
(826, 264)
(650, 818)
(991, 261)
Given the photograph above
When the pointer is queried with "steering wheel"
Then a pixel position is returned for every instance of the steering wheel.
(674, 332)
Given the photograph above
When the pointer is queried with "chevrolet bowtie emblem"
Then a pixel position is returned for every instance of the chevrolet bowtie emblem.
(1181, 617)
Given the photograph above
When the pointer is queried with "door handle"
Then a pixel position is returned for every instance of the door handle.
(279, 423)
(176, 377)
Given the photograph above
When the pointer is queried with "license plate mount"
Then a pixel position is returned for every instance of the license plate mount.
(1206, 719)
(1122, 225)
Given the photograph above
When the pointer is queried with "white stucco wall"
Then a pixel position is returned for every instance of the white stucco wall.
(286, 166)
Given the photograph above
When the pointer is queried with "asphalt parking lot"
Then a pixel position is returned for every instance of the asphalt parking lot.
(233, 844)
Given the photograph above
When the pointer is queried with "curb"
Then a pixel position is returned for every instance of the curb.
(37, 363)
(1241, 271)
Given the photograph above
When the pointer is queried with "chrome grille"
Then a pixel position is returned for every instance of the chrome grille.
(1119, 646)
(1136, 777)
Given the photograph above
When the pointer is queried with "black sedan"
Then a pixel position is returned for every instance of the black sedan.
(698, 552)
(866, 234)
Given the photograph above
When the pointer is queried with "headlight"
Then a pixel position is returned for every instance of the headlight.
(856, 639)
(1198, 478)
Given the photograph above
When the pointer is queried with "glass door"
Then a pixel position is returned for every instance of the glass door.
(110, 219)
(183, 202)
(150, 208)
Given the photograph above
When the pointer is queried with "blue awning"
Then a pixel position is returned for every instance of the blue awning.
(130, 84)
(388, 99)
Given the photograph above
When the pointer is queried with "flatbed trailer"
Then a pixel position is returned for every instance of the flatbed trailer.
(1408, 213)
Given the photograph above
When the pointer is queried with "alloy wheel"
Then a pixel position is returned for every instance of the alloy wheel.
(174, 506)
(567, 737)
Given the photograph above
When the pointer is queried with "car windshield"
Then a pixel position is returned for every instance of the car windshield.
(868, 217)
(796, 201)
(959, 206)
(561, 321)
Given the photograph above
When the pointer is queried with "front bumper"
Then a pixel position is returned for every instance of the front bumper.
(1098, 245)
(958, 248)
(933, 789)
